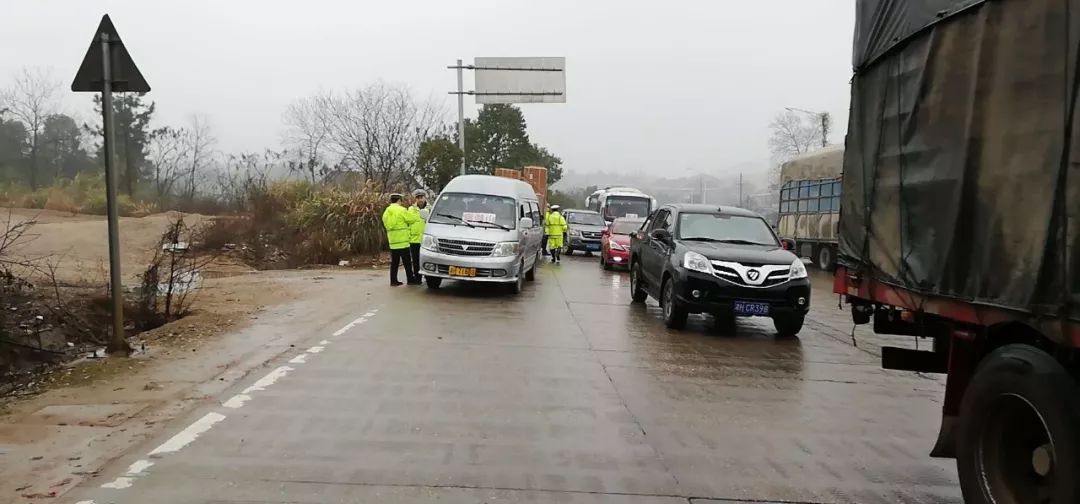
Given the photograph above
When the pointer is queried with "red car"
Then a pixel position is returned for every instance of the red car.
(615, 242)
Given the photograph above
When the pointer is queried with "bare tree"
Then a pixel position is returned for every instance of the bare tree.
(307, 134)
(792, 135)
(32, 99)
(199, 144)
(166, 154)
(378, 130)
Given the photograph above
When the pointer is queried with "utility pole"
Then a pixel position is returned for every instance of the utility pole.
(740, 190)
(461, 113)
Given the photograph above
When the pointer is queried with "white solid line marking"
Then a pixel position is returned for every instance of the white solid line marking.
(236, 401)
(186, 436)
(269, 379)
(136, 468)
(119, 483)
(299, 359)
(315, 349)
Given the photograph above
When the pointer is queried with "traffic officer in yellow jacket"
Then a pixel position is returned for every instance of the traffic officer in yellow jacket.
(416, 230)
(555, 228)
(397, 221)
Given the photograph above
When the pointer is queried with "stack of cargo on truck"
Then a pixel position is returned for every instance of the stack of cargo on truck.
(961, 223)
(810, 203)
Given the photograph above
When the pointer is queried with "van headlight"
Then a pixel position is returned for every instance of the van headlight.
(429, 243)
(575, 232)
(798, 270)
(694, 261)
(506, 249)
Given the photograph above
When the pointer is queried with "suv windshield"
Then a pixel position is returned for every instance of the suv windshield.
(626, 206)
(474, 209)
(586, 219)
(625, 227)
(725, 228)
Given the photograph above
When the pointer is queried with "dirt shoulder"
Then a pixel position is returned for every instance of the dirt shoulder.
(95, 409)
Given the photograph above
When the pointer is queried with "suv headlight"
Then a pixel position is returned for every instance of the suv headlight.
(429, 242)
(575, 232)
(696, 262)
(798, 270)
(505, 249)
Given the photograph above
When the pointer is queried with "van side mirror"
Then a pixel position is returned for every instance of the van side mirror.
(525, 223)
(787, 243)
(661, 235)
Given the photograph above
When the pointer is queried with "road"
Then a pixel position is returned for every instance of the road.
(566, 393)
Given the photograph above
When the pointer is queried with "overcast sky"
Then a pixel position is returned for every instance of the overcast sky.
(673, 87)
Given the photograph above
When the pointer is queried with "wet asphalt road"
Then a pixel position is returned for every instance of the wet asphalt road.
(566, 393)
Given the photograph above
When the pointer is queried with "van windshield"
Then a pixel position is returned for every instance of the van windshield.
(475, 209)
(584, 219)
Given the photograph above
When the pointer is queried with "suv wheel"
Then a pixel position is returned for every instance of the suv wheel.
(788, 326)
(637, 293)
(674, 313)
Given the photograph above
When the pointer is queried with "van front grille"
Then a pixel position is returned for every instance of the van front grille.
(465, 247)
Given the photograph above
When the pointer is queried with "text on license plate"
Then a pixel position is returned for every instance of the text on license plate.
(750, 308)
(593, 246)
(465, 272)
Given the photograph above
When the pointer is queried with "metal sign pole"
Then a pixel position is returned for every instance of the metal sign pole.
(461, 113)
(117, 344)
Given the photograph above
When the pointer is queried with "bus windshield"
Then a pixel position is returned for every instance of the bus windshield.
(626, 206)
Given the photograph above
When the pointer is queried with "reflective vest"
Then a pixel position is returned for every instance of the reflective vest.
(554, 224)
(416, 229)
(396, 219)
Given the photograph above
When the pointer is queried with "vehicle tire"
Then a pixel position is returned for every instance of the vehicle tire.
(826, 257)
(519, 284)
(1019, 435)
(788, 326)
(531, 274)
(724, 323)
(637, 293)
(603, 262)
(568, 251)
(674, 313)
(433, 282)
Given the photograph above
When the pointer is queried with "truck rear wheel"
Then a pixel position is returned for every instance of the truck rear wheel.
(1018, 436)
(826, 257)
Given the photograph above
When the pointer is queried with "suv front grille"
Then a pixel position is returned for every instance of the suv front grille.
(748, 275)
(590, 235)
(465, 247)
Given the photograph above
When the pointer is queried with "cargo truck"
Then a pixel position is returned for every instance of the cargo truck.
(810, 204)
(960, 222)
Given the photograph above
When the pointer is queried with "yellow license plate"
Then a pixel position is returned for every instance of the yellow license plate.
(465, 272)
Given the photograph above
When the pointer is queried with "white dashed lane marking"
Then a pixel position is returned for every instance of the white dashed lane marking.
(200, 426)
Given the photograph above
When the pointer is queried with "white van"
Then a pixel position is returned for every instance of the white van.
(483, 229)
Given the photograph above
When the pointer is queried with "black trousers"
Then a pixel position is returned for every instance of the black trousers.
(400, 257)
(414, 253)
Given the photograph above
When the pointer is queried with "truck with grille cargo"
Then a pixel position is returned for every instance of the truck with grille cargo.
(810, 203)
(959, 224)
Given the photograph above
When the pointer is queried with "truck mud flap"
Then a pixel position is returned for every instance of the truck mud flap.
(905, 359)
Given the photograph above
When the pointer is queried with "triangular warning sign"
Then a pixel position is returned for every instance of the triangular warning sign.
(125, 75)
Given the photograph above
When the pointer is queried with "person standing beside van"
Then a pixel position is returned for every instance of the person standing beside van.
(416, 230)
(543, 244)
(555, 228)
(397, 221)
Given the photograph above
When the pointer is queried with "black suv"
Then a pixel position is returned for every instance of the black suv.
(723, 261)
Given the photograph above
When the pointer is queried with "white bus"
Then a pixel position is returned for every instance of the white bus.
(616, 202)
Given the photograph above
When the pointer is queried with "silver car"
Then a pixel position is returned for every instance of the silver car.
(483, 229)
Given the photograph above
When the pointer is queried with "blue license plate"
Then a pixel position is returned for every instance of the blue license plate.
(750, 308)
(593, 246)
